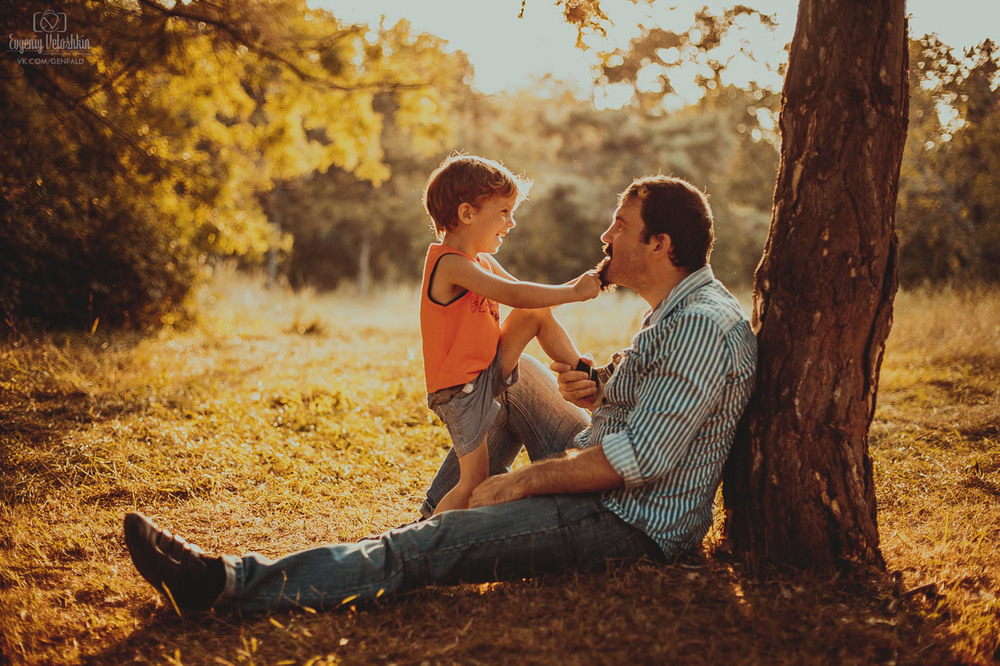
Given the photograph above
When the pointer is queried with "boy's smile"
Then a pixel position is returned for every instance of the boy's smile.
(488, 223)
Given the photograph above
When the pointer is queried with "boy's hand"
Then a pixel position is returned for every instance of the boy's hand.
(575, 386)
(587, 286)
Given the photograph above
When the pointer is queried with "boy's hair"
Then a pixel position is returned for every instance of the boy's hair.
(467, 179)
(677, 208)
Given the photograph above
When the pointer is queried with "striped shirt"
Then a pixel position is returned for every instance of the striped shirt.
(670, 411)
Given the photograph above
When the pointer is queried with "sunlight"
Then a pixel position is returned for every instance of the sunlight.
(209, 312)
(542, 43)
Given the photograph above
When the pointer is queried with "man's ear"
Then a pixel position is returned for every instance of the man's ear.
(660, 245)
(465, 211)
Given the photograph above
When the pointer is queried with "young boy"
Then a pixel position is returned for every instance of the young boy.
(469, 357)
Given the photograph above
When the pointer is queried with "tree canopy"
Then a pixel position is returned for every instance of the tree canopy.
(949, 200)
(185, 133)
(128, 168)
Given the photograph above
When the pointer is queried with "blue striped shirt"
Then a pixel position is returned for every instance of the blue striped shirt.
(670, 410)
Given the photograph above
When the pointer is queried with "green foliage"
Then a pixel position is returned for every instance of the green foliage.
(346, 227)
(126, 172)
(710, 44)
(77, 242)
(579, 158)
(948, 215)
(205, 130)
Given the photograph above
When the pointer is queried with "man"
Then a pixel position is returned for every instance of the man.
(637, 481)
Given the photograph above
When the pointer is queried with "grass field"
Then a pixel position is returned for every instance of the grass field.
(284, 420)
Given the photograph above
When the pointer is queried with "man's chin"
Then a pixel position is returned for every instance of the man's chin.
(603, 269)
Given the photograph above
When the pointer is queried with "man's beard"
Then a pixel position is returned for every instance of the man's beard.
(602, 269)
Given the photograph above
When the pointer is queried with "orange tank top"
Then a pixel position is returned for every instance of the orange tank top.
(459, 338)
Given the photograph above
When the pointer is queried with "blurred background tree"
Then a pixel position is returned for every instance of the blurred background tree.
(349, 227)
(949, 200)
(283, 136)
(126, 173)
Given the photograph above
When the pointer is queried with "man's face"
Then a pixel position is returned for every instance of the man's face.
(624, 244)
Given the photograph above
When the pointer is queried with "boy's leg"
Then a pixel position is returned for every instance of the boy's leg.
(522, 326)
(533, 415)
(473, 470)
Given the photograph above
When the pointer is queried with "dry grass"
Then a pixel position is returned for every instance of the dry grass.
(936, 444)
(286, 420)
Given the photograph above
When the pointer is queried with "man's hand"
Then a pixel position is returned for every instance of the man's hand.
(574, 386)
(497, 489)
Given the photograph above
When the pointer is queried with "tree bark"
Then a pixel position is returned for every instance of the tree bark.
(365, 262)
(798, 487)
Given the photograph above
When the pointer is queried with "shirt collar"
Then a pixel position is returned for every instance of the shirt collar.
(682, 290)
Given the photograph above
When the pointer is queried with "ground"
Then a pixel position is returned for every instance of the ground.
(283, 420)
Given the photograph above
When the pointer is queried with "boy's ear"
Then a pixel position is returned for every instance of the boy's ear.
(465, 211)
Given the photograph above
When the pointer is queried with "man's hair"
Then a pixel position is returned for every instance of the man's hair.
(468, 179)
(677, 208)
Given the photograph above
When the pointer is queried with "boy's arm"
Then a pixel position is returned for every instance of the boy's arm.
(503, 272)
(459, 271)
(500, 269)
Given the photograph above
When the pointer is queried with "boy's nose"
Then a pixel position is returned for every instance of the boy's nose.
(513, 222)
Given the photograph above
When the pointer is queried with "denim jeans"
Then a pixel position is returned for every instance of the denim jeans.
(534, 535)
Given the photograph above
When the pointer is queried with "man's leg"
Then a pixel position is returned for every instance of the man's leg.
(532, 415)
(535, 535)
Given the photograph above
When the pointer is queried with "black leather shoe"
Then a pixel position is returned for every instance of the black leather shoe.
(181, 571)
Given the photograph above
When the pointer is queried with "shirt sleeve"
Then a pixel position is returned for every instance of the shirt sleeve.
(677, 389)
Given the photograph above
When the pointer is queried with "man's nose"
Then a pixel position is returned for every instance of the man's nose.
(606, 236)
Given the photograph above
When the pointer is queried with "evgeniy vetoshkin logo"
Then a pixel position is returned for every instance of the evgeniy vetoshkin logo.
(49, 21)
(50, 43)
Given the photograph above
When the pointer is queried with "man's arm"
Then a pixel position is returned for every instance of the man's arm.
(585, 471)
(674, 396)
(675, 393)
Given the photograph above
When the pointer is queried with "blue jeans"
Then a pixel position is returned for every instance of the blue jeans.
(534, 535)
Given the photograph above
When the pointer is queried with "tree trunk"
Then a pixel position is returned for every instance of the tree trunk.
(798, 486)
(274, 211)
(365, 262)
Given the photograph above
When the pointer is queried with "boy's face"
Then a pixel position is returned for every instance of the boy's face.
(487, 224)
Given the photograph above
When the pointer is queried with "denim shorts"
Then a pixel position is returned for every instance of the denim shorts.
(468, 410)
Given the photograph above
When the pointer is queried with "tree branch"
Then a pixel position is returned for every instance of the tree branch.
(262, 50)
